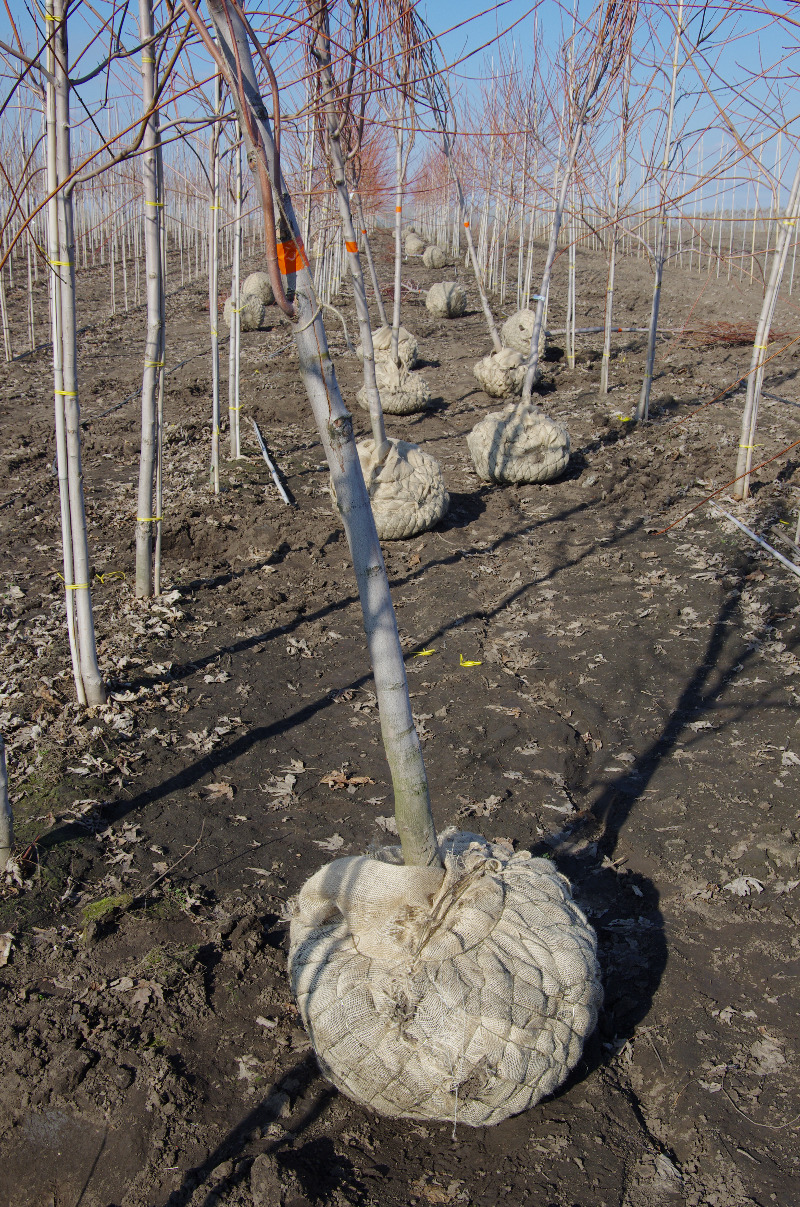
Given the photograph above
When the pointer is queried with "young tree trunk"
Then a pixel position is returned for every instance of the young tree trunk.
(552, 247)
(146, 516)
(90, 671)
(372, 270)
(213, 284)
(643, 406)
(398, 232)
(619, 177)
(321, 50)
(755, 377)
(335, 426)
(55, 276)
(6, 816)
(236, 325)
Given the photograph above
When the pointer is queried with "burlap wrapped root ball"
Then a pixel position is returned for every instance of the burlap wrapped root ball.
(402, 392)
(446, 300)
(465, 996)
(255, 296)
(517, 332)
(501, 374)
(407, 346)
(406, 489)
(518, 444)
(414, 245)
(434, 257)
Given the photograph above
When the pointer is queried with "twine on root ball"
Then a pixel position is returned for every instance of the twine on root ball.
(446, 300)
(407, 346)
(518, 444)
(255, 296)
(402, 392)
(462, 995)
(501, 374)
(517, 332)
(406, 489)
(434, 257)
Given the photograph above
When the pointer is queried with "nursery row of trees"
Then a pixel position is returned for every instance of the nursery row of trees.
(623, 127)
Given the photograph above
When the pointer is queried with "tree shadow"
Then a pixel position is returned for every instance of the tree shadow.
(252, 1133)
(623, 905)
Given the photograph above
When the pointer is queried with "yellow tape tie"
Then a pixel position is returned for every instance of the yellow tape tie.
(215, 207)
(76, 586)
(467, 662)
(424, 653)
(59, 263)
(160, 204)
(109, 574)
(760, 347)
(67, 393)
(148, 61)
(154, 364)
(147, 519)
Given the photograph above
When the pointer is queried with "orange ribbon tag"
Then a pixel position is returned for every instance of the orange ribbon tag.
(291, 258)
(353, 247)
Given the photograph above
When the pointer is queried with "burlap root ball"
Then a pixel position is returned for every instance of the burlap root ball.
(517, 331)
(446, 300)
(518, 444)
(402, 392)
(465, 996)
(256, 296)
(501, 374)
(414, 245)
(406, 489)
(407, 346)
(258, 285)
(434, 257)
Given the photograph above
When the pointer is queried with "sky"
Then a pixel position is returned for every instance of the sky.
(468, 31)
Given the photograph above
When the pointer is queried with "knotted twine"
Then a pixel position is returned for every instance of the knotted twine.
(406, 489)
(501, 374)
(518, 444)
(464, 995)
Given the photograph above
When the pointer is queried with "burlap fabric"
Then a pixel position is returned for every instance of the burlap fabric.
(464, 996)
(407, 346)
(434, 257)
(501, 374)
(406, 489)
(402, 392)
(414, 245)
(256, 296)
(518, 330)
(518, 444)
(446, 300)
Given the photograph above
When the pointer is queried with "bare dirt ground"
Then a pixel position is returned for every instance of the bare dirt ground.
(633, 714)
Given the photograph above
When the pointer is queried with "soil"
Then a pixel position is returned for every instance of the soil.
(621, 698)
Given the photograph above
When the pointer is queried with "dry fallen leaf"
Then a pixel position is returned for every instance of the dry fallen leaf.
(6, 943)
(338, 779)
(218, 789)
(334, 843)
(743, 886)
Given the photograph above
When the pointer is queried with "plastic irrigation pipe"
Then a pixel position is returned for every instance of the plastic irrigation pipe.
(270, 465)
(759, 540)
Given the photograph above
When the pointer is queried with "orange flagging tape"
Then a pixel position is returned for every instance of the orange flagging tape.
(291, 258)
(350, 246)
(466, 224)
(398, 209)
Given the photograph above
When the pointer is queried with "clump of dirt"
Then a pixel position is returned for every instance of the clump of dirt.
(586, 684)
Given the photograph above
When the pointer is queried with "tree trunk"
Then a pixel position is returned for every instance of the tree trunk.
(334, 423)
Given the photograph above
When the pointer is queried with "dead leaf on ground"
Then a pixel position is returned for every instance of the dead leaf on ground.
(220, 789)
(334, 843)
(338, 779)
